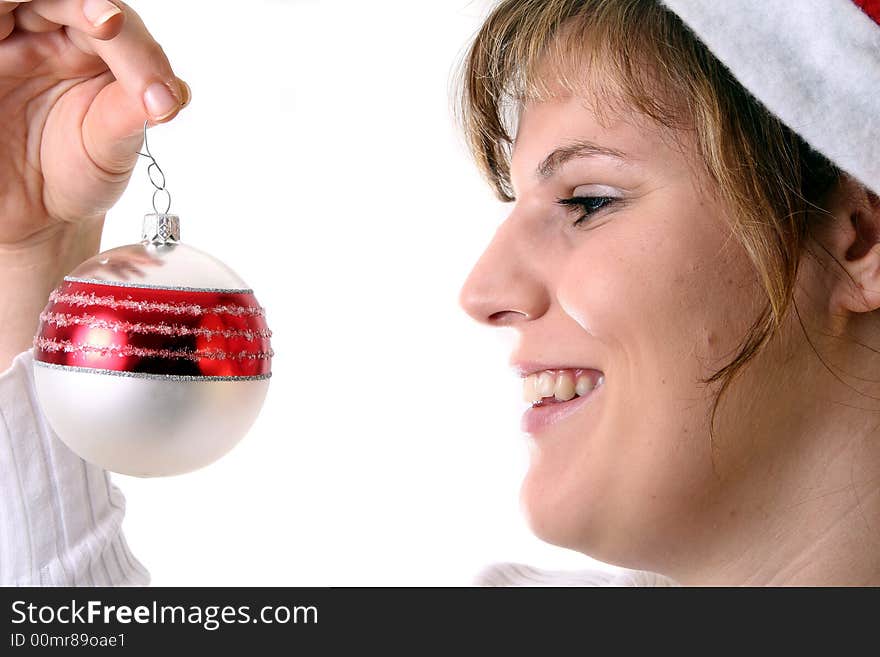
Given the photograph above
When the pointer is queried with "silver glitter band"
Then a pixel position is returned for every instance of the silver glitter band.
(147, 375)
(215, 290)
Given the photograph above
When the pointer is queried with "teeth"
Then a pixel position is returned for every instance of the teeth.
(560, 384)
(564, 389)
(546, 384)
(584, 385)
(530, 392)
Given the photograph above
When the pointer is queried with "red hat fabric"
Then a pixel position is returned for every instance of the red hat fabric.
(814, 63)
(870, 7)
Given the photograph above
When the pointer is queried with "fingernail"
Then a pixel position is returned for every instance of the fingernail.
(99, 12)
(160, 101)
(185, 92)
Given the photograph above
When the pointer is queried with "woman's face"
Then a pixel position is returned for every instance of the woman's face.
(647, 295)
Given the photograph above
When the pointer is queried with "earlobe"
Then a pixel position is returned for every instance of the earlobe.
(856, 246)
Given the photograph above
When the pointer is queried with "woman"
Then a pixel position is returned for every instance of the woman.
(78, 78)
(666, 229)
(693, 286)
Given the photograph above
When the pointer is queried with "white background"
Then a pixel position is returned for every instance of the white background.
(320, 159)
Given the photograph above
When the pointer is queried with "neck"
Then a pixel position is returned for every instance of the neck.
(802, 508)
(821, 532)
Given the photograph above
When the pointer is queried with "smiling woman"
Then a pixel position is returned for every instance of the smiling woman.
(693, 288)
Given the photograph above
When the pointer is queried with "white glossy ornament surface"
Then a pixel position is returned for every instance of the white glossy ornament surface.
(163, 265)
(140, 424)
(147, 427)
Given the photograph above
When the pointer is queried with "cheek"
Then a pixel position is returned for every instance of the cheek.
(666, 303)
(669, 300)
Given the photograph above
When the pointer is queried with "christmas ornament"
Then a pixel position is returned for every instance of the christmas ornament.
(154, 358)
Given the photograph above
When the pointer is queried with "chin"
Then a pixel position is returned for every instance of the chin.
(559, 518)
(578, 518)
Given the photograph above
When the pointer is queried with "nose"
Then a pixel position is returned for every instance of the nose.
(504, 286)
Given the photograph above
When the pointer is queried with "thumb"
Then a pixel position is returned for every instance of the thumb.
(113, 126)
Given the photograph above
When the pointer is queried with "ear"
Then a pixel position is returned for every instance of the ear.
(854, 241)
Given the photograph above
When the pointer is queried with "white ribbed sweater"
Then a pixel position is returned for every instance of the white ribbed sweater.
(61, 518)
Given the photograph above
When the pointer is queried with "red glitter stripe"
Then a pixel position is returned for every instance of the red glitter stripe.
(175, 330)
(154, 331)
(179, 308)
(67, 346)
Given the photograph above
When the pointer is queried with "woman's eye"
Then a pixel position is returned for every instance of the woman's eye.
(585, 206)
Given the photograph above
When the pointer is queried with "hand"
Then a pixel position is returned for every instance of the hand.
(78, 78)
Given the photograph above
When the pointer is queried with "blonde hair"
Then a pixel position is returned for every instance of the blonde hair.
(637, 55)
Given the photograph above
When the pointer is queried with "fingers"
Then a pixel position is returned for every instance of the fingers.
(116, 34)
(112, 129)
(100, 14)
(28, 20)
(99, 19)
(7, 20)
(140, 66)
(140, 85)
(7, 24)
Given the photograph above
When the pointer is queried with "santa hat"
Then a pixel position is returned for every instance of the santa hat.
(815, 64)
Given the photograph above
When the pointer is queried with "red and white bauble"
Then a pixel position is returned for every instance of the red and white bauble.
(154, 358)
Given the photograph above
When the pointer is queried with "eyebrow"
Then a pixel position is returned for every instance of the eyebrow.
(550, 165)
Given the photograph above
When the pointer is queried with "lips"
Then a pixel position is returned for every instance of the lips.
(556, 392)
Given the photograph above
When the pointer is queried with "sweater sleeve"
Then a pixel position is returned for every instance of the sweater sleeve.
(519, 574)
(60, 517)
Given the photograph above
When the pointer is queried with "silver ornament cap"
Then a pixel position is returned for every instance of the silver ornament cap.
(161, 228)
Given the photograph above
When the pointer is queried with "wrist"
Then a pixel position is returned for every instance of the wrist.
(51, 249)
(30, 269)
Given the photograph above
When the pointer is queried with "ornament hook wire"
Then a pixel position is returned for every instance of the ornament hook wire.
(157, 176)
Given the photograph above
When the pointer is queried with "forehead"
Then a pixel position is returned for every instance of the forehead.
(546, 125)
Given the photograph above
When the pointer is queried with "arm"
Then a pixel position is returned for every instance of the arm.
(60, 517)
(78, 78)
(30, 270)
